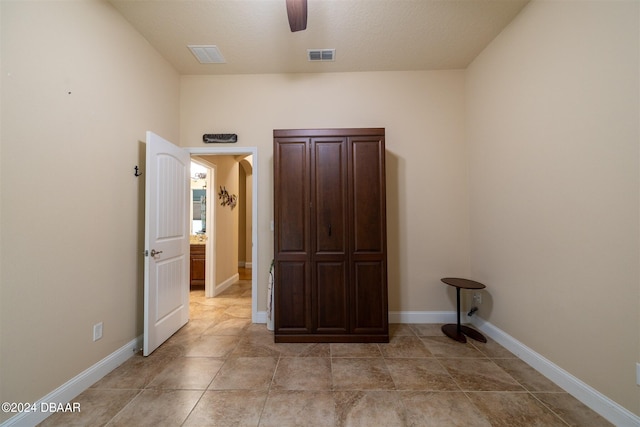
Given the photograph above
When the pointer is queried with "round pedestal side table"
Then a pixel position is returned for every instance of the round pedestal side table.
(457, 331)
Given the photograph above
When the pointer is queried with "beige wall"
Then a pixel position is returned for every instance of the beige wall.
(79, 89)
(226, 219)
(423, 113)
(553, 147)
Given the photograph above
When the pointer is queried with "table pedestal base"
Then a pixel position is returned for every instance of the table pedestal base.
(458, 332)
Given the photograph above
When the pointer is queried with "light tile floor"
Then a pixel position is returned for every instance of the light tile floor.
(222, 370)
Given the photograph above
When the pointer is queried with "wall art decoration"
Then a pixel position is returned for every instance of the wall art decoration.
(227, 199)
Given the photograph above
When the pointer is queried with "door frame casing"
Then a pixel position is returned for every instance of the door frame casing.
(234, 151)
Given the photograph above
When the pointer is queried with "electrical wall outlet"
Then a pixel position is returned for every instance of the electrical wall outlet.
(97, 331)
(477, 298)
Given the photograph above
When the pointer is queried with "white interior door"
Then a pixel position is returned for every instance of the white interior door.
(166, 261)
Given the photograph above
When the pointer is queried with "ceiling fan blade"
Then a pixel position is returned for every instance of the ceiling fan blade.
(297, 12)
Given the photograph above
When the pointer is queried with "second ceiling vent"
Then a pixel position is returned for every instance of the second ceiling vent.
(321, 54)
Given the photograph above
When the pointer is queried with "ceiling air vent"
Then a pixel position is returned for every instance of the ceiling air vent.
(321, 54)
(207, 54)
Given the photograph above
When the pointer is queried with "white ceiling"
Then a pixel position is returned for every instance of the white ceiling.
(368, 35)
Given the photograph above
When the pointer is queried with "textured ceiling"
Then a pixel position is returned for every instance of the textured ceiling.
(368, 35)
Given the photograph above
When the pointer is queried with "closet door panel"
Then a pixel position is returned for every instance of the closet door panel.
(368, 195)
(292, 297)
(291, 196)
(369, 298)
(329, 193)
(292, 243)
(368, 236)
(331, 297)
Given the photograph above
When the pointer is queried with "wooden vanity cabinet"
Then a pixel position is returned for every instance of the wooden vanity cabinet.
(330, 236)
(198, 259)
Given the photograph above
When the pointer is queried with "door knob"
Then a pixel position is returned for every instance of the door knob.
(154, 252)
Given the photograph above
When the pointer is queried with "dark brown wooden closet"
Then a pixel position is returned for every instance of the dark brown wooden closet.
(330, 236)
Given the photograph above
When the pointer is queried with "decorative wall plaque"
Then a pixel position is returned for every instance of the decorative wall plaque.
(224, 138)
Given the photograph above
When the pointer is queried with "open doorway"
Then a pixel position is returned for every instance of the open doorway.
(229, 211)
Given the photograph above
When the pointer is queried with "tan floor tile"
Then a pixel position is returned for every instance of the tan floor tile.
(256, 345)
(229, 326)
(427, 330)
(420, 374)
(316, 350)
(156, 408)
(263, 345)
(187, 373)
(135, 373)
(571, 410)
(97, 407)
(442, 409)
(401, 346)
(302, 373)
(369, 408)
(355, 350)
(492, 349)
(239, 311)
(360, 374)
(530, 379)
(193, 327)
(400, 330)
(245, 373)
(213, 346)
(514, 410)
(174, 348)
(207, 313)
(258, 329)
(227, 408)
(299, 408)
(446, 347)
(480, 375)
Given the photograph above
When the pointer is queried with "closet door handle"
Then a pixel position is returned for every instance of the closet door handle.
(329, 229)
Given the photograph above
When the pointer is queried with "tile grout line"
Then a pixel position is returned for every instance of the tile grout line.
(525, 389)
(124, 407)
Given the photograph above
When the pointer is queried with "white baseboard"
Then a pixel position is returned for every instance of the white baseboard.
(76, 385)
(607, 408)
(261, 317)
(224, 285)
(422, 317)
